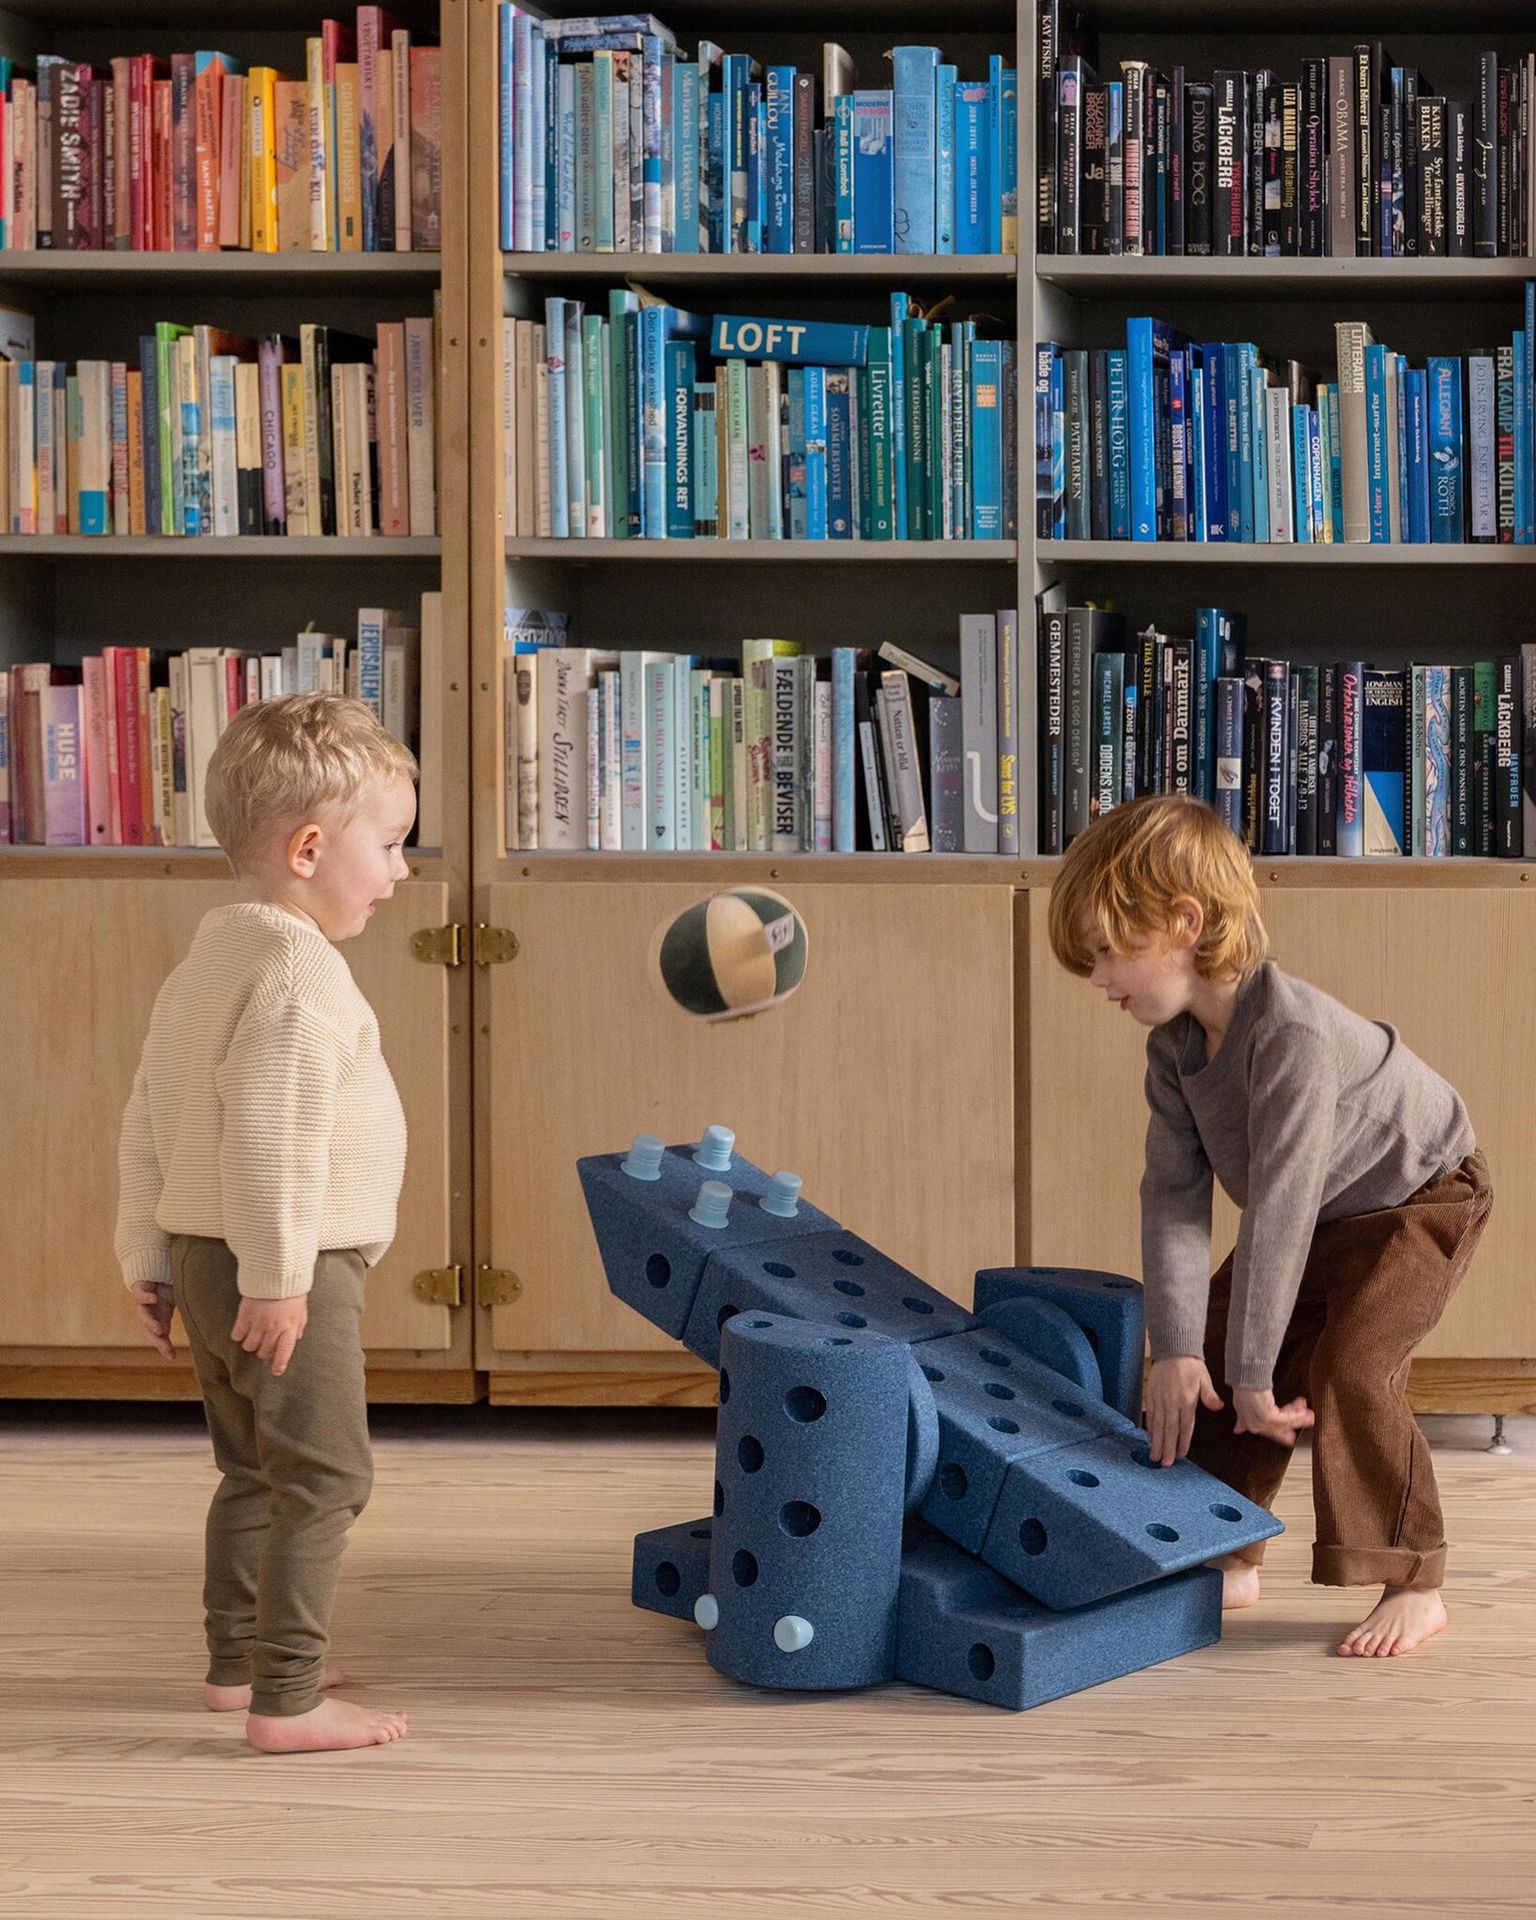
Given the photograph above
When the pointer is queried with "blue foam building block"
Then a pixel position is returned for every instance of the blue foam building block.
(996, 1404)
(1107, 1306)
(1053, 1338)
(964, 1629)
(671, 1568)
(805, 1559)
(823, 1276)
(1078, 1524)
(653, 1254)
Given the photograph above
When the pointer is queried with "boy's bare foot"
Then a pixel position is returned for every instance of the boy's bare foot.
(1239, 1581)
(328, 1728)
(1400, 1619)
(238, 1699)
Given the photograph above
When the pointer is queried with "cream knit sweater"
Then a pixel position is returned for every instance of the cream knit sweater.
(262, 1113)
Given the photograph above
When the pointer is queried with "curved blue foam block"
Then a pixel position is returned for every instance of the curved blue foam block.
(810, 1458)
(966, 1630)
(1052, 1337)
(1076, 1525)
(671, 1568)
(996, 1404)
(823, 1276)
(922, 1435)
(653, 1254)
(1107, 1306)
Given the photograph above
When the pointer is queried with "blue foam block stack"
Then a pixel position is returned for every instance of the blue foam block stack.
(1053, 1337)
(805, 1562)
(671, 1568)
(1107, 1306)
(824, 1276)
(653, 1252)
(966, 1630)
(995, 1404)
(1081, 1523)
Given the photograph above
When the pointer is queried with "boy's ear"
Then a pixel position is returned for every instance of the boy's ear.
(304, 850)
(1189, 921)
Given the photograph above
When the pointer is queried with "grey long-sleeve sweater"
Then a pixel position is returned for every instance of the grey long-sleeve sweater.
(1308, 1113)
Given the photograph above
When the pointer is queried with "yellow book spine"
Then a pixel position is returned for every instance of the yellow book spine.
(320, 236)
(263, 136)
(295, 482)
(349, 178)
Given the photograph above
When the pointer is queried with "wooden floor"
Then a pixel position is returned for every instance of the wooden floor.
(571, 1756)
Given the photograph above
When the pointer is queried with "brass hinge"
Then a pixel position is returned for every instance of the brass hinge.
(494, 945)
(440, 1287)
(495, 1287)
(440, 946)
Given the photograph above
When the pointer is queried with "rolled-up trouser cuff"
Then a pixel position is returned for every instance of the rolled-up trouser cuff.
(1378, 1566)
(283, 1706)
(229, 1673)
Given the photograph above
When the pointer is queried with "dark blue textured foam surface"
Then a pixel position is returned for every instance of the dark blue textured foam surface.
(1107, 1306)
(671, 1568)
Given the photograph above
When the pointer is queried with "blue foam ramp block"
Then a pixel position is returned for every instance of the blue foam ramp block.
(671, 1568)
(964, 1629)
(1051, 1336)
(996, 1404)
(824, 1276)
(1107, 1306)
(805, 1559)
(1078, 1524)
(653, 1254)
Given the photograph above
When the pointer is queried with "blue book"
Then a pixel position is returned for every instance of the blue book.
(842, 749)
(653, 423)
(575, 420)
(816, 493)
(1045, 360)
(1119, 445)
(994, 173)
(680, 384)
(841, 504)
(1335, 474)
(1058, 450)
(971, 166)
(1524, 530)
(1397, 386)
(1384, 759)
(915, 157)
(553, 240)
(1213, 382)
(1315, 471)
(1379, 442)
(944, 161)
(1205, 672)
(1197, 454)
(1229, 752)
(756, 172)
(1178, 504)
(872, 171)
(714, 167)
(901, 306)
(507, 133)
(623, 497)
(778, 159)
(660, 736)
(1148, 346)
(1417, 498)
(794, 452)
(796, 342)
(1301, 471)
(842, 136)
(986, 427)
(706, 485)
(1008, 234)
(1447, 519)
(1253, 469)
(685, 161)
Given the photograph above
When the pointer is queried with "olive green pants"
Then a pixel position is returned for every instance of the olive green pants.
(297, 1470)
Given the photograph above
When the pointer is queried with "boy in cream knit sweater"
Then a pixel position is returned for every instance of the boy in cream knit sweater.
(260, 1164)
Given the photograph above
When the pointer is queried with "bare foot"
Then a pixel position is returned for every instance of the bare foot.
(238, 1699)
(328, 1728)
(1400, 1619)
(1239, 1581)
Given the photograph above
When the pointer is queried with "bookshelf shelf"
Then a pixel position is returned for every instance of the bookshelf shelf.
(757, 269)
(1204, 553)
(1283, 279)
(773, 553)
(1307, 16)
(155, 863)
(63, 546)
(287, 273)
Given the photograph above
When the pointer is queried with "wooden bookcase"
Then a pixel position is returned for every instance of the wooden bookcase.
(940, 1085)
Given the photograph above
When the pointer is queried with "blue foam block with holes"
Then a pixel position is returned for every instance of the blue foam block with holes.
(964, 1629)
(824, 1276)
(1053, 1337)
(996, 1404)
(652, 1253)
(1107, 1306)
(1078, 1524)
(671, 1568)
(810, 1466)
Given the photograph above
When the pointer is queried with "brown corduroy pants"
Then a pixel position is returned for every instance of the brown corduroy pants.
(297, 1470)
(1373, 1287)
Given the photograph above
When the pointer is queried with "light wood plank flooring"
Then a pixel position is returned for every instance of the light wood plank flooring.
(569, 1755)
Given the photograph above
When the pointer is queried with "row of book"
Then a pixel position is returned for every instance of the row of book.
(219, 433)
(196, 152)
(777, 752)
(1353, 155)
(114, 751)
(1346, 758)
(1171, 439)
(652, 423)
(633, 149)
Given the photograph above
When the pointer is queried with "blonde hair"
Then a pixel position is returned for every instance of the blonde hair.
(282, 759)
(1122, 876)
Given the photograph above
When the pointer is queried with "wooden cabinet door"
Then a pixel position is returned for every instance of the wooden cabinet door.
(1451, 970)
(886, 1082)
(82, 961)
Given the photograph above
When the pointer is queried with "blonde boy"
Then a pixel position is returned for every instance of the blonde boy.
(260, 1164)
(1363, 1197)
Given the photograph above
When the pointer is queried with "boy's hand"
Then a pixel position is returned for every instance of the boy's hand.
(1174, 1386)
(271, 1329)
(1257, 1413)
(156, 1305)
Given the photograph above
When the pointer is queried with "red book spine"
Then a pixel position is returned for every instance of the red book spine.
(183, 153)
(124, 669)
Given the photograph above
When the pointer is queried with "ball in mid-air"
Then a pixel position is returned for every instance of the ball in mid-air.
(736, 953)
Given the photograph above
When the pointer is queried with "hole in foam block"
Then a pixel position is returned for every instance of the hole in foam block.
(668, 1579)
(778, 1269)
(719, 1499)
(933, 1374)
(700, 1533)
(725, 1386)
(836, 1340)
(995, 1359)
(749, 1453)
(1032, 1536)
(852, 1320)
(1159, 1532)
(1003, 1424)
(1069, 1407)
(805, 1404)
(658, 1269)
(914, 1305)
(728, 1312)
(743, 1568)
(982, 1661)
(999, 1392)
(799, 1517)
(846, 1257)
(850, 1287)
(1223, 1512)
(1080, 1477)
(953, 1482)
